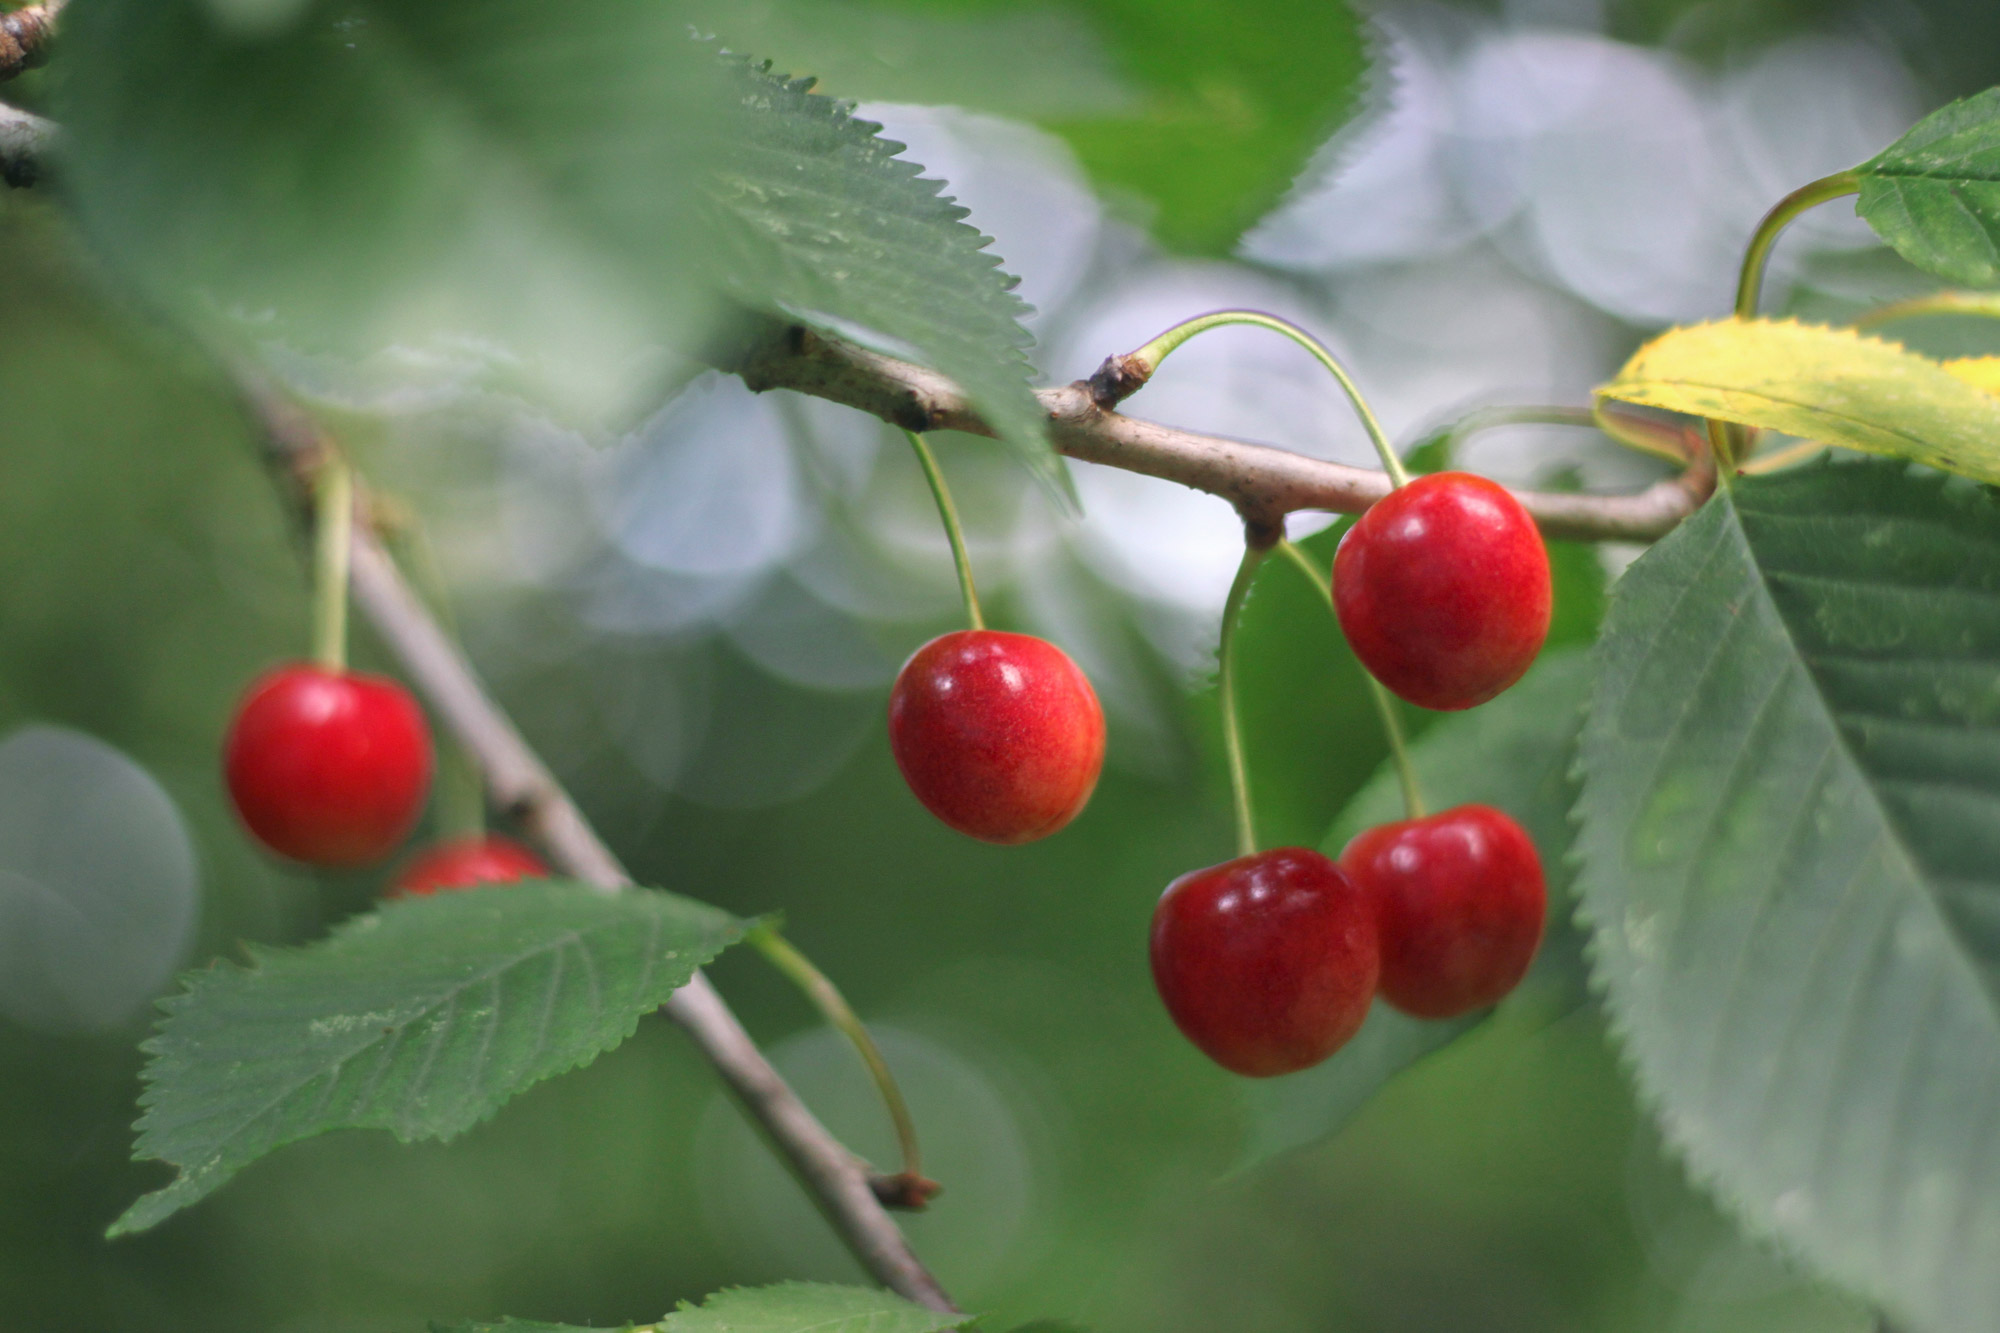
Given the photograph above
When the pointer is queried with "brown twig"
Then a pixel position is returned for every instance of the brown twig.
(518, 782)
(24, 138)
(1263, 483)
(25, 37)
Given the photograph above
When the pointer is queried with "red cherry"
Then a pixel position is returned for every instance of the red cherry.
(462, 863)
(999, 735)
(1459, 901)
(328, 767)
(1443, 590)
(1267, 962)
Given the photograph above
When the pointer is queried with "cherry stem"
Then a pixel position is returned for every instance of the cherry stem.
(832, 1005)
(333, 541)
(1232, 727)
(1986, 304)
(1731, 441)
(1385, 704)
(1750, 280)
(1481, 419)
(1149, 357)
(948, 512)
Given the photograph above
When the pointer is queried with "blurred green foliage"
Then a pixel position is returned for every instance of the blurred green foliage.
(1198, 113)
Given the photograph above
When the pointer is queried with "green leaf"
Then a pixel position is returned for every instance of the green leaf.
(808, 1307)
(1024, 60)
(821, 219)
(1832, 385)
(421, 1018)
(443, 190)
(1934, 194)
(1790, 854)
(1202, 114)
(1234, 101)
(530, 1326)
(1514, 753)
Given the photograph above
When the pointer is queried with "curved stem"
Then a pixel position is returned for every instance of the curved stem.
(1780, 458)
(948, 512)
(1232, 728)
(1728, 441)
(1985, 304)
(1148, 358)
(1494, 418)
(1750, 280)
(333, 533)
(1385, 704)
(1399, 750)
(832, 1005)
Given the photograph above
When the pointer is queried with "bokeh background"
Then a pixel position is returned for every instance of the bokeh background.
(697, 623)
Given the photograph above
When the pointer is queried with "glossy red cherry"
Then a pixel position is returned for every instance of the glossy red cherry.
(999, 735)
(461, 863)
(1267, 962)
(1459, 902)
(1443, 590)
(328, 767)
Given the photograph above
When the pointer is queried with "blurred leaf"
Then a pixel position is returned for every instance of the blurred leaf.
(467, 184)
(1236, 96)
(1934, 194)
(1514, 753)
(530, 1326)
(1831, 385)
(480, 189)
(1209, 110)
(421, 1018)
(1787, 833)
(1014, 60)
(823, 222)
(808, 1307)
(1981, 372)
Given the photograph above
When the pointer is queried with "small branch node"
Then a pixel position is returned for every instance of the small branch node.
(25, 37)
(906, 1191)
(1121, 376)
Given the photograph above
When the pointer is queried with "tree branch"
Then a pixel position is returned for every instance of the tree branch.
(25, 36)
(23, 140)
(1263, 483)
(520, 784)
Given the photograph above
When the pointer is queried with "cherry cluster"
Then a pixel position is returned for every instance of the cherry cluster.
(1268, 962)
(332, 767)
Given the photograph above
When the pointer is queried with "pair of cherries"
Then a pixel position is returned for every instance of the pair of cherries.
(1442, 588)
(1269, 962)
(332, 768)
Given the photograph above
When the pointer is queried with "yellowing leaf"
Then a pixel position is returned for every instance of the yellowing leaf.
(1981, 372)
(1832, 385)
